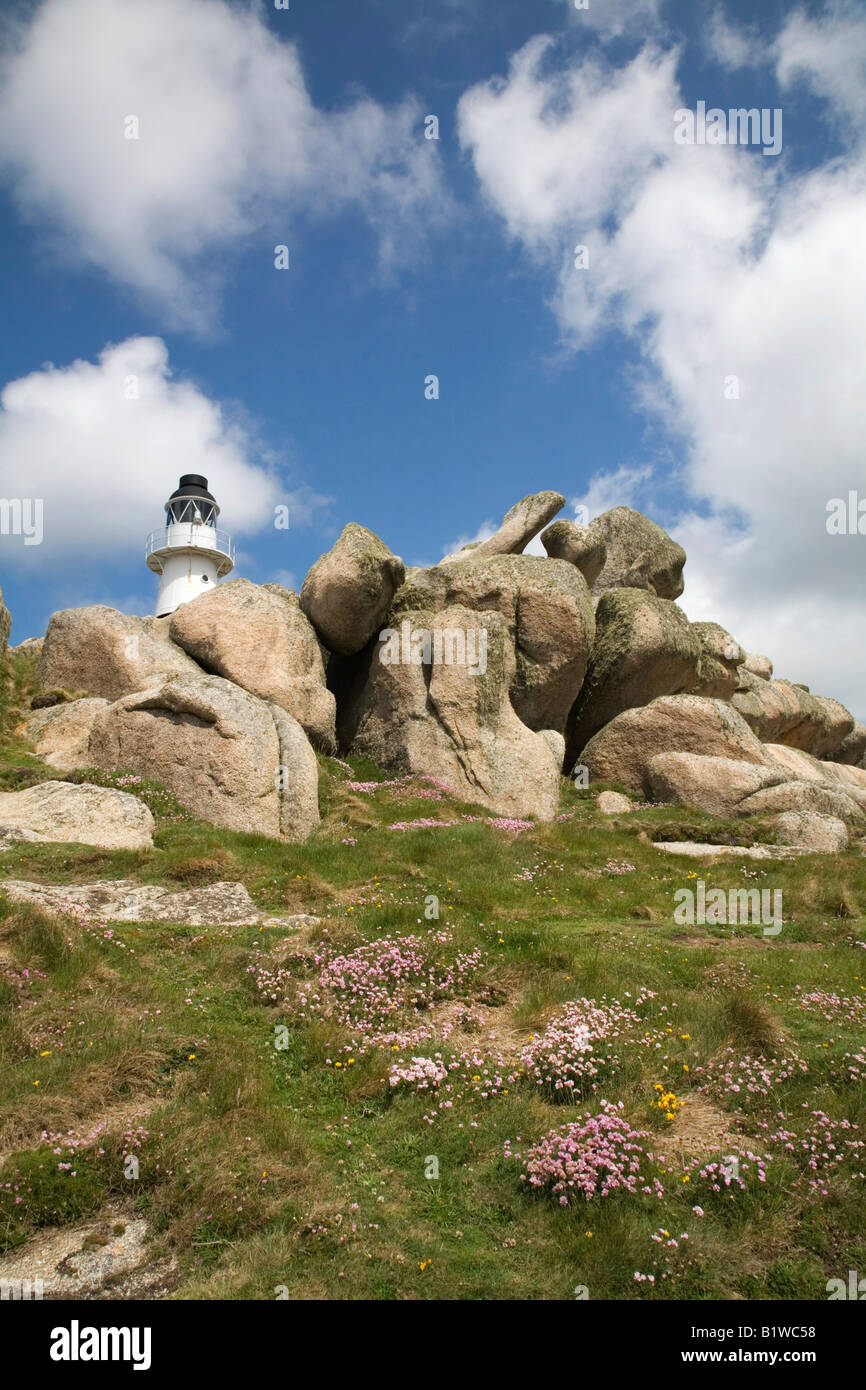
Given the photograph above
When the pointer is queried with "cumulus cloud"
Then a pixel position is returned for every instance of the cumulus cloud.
(484, 532)
(828, 54)
(620, 488)
(558, 148)
(228, 143)
(732, 45)
(739, 281)
(102, 445)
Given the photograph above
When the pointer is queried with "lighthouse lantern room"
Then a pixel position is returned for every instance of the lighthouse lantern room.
(189, 554)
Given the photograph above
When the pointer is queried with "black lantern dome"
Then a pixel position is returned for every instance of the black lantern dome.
(191, 502)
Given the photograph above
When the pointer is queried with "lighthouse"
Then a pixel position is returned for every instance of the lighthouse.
(188, 553)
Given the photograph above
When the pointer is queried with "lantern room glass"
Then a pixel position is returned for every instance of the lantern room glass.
(195, 510)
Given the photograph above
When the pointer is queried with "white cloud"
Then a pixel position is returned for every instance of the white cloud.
(287, 578)
(717, 263)
(230, 144)
(621, 488)
(732, 45)
(103, 462)
(829, 55)
(556, 149)
(484, 532)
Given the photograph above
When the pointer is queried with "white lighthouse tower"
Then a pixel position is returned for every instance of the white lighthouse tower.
(189, 554)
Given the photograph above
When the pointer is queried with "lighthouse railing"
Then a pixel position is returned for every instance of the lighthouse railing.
(182, 533)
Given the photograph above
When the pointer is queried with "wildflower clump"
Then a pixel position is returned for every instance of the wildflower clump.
(731, 1171)
(421, 1073)
(377, 990)
(666, 1101)
(574, 1048)
(822, 1148)
(596, 1155)
(749, 1081)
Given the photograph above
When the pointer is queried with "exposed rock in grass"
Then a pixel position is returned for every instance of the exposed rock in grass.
(623, 750)
(125, 900)
(694, 850)
(78, 813)
(714, 785)
(613, 804)
(102, 1256)
(811, 831)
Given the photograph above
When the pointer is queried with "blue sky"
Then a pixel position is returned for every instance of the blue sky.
(258, 127)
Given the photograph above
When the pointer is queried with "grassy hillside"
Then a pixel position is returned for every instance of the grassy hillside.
(249, 1072)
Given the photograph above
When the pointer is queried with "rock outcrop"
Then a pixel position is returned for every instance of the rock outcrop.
(443, 719)
(257, 636)
(59, 733)
(781, 712)
(852, 749)
(712, 784)
(638, 555)
(100, 651)
(721, 657)
(548, 615)
(623, 750)
(645, 647)
(229, 757)
(5, 625)
(78, 813)
(760, 666)
(520, 523)
(493, 671)
(804, 796)
(579, 545)
(806, 768)
(347, 592)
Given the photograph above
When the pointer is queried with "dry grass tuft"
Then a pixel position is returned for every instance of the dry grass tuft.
(752, 1025)
(211, 868)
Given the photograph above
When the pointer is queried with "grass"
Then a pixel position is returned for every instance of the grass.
(268, 1171)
